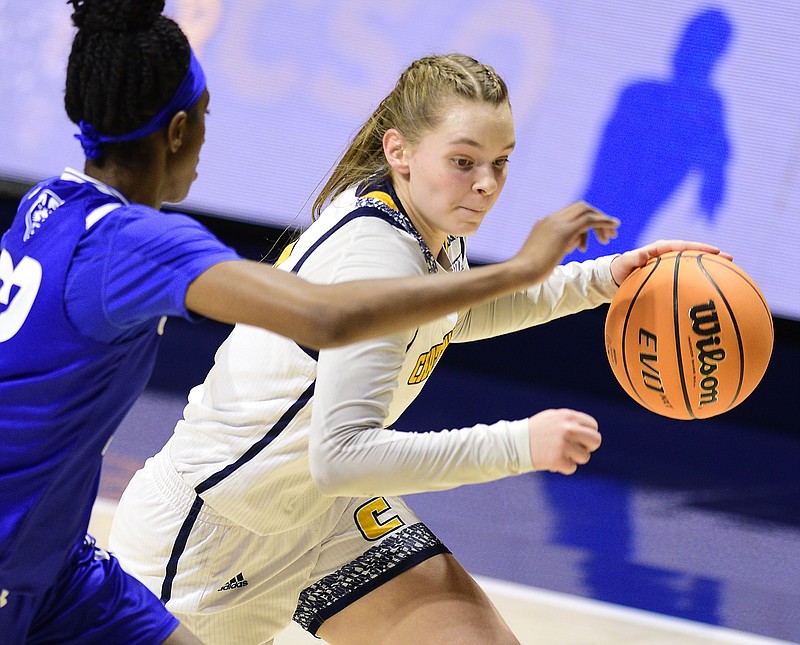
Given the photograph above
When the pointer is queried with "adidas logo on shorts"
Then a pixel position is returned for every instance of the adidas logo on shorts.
(234, 583)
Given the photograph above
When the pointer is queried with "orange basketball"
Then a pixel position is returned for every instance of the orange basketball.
(689, 335)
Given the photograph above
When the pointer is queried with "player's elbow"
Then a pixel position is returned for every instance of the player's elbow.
(335, 324)
(332, 474)
(328, 477)
(338, 327)
(328, 486)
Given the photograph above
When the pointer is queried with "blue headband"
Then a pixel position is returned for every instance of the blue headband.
(187, 94)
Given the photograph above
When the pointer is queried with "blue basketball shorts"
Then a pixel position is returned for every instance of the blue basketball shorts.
(93, 601)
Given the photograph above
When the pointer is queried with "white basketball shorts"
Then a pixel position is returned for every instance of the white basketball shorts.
(230, 585)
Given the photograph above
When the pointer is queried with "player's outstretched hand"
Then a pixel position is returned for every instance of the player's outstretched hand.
(554, 236)
(623, 265)
(561, 440)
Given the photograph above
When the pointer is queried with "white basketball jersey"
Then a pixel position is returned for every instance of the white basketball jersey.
(248, 444)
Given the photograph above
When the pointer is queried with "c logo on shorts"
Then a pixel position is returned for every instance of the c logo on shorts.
(371, 526)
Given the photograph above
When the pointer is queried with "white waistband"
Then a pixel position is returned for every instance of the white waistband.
(177, 492)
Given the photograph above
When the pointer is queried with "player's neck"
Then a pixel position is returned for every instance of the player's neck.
(139, 188)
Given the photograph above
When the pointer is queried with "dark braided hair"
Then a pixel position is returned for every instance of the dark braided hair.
(126, 62)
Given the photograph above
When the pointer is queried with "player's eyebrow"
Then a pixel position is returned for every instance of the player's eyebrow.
(471, 142)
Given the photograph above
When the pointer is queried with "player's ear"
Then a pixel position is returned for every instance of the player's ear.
(395, 149)
(176, 130)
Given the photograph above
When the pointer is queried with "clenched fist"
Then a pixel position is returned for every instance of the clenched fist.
(561, 440)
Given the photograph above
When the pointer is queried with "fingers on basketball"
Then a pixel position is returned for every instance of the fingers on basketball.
(689, 335)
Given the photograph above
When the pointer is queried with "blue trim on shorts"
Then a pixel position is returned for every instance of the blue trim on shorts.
(337, 606)
(186, 528)
(178, 548)
(375, 567)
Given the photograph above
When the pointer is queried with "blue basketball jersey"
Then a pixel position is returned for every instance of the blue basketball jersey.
(63, 388)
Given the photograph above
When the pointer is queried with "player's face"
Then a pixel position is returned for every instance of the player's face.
(183, 170)
(457, 171)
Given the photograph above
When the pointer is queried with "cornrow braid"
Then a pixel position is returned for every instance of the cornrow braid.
(126, 62)
(414, 107)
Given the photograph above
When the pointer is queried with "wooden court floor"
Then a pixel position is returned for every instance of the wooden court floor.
(541, 617)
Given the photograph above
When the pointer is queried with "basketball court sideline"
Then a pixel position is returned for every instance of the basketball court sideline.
(541, 617)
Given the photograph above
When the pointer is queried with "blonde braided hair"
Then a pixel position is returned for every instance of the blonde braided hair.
(414, 107)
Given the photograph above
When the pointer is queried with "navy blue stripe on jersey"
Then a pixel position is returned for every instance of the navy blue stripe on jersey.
(364, 211)
(262, 443)
(313, 353)
(177, 549)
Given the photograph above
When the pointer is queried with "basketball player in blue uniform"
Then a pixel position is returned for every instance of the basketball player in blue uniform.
(278, 495)
(88, 271)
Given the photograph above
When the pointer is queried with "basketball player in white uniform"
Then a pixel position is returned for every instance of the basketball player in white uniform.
(277, 496)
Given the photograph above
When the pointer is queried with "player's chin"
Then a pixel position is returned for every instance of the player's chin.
(180, 191)
(470, 227)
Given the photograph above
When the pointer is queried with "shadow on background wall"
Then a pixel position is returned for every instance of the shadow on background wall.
(660, 132)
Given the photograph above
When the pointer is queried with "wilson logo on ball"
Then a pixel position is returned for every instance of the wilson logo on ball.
(689, 335)
(705, 323)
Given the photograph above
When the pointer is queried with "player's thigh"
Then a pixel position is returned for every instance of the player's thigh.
(436, 598)
(374, 540)
(382, 575)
